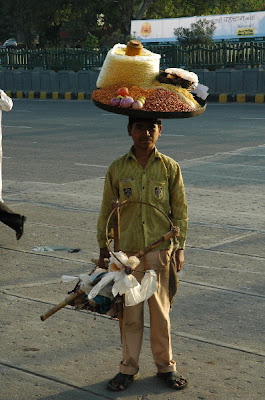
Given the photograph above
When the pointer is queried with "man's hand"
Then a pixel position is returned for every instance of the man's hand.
(104, 253)
(179, 256)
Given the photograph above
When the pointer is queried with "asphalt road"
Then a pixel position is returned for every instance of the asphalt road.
(56, 154)
(60, 141)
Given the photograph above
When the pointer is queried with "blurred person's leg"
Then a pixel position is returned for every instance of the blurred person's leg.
(12, 219)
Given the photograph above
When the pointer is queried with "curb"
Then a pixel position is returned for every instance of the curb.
(258, 98)
(20, 94)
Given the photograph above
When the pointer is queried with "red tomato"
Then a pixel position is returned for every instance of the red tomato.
(123, 91)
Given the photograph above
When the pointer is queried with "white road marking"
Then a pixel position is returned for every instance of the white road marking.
(69, 124)
(233, 152)
(23, 111)
(91, 165)
(249, 271)
(223, 176)
(17, 126)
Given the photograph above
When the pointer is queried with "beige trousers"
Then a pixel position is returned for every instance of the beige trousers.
(159, 307)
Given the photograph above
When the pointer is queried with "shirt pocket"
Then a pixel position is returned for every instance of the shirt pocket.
(158, 192)
(128, 190)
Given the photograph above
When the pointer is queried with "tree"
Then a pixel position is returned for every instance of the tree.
(116, 18)
(91, 41)
(200, 32)
(60, 22)
(187, 8)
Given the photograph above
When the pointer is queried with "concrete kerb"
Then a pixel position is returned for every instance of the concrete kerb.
(43, 95)
(258, 98)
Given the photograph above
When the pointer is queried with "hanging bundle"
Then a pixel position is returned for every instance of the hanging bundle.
(103, 290)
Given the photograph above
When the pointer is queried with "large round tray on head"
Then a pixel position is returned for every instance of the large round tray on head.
(152, 114)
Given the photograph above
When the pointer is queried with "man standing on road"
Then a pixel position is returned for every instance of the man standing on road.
(148, 176)
(7, 216)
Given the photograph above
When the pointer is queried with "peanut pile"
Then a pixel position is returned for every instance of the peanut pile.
(165, 101)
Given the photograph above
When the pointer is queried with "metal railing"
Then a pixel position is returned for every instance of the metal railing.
(220, 55)
(53, 59)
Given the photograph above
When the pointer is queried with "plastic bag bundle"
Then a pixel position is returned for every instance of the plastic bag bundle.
(121, 69)
(86, 280)
(124, 284)
(201, 91)
(102, 301)
(116, 282)
(133, 291)
(116, 263)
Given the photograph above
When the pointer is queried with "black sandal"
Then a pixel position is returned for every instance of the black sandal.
(121, 381)
(172, 379)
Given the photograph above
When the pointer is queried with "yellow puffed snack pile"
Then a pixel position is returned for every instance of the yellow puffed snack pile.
(121, 69)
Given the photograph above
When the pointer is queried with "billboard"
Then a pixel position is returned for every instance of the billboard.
(228, 26)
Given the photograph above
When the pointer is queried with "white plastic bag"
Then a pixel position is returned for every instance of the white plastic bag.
(86, 280)
(149, 284)
(142, 292)
(201, 91)
(107, 278)
(124, 284)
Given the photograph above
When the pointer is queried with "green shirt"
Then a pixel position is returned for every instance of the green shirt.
(159, 183)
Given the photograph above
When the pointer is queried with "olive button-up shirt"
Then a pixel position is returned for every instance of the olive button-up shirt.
(160, 184)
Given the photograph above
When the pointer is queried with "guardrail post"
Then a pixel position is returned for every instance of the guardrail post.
(252, 61)
(224, 54)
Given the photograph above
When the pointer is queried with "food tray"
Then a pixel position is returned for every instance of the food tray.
(152, 114)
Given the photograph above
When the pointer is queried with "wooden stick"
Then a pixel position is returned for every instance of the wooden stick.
(153, 245)
(68, 300)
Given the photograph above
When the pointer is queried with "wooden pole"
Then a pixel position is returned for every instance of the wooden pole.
(68, 300)
(152, 246)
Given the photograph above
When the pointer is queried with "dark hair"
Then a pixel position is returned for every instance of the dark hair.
(132, 120)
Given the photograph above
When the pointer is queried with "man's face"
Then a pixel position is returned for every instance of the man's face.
(145, 134)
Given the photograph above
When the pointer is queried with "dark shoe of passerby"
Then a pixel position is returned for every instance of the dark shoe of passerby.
(20, 230)
(12, 219)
